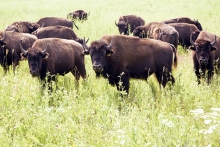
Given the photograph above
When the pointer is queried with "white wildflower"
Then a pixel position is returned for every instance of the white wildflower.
(197, 111)
(168, 123)
(215, 109)
(208, 121)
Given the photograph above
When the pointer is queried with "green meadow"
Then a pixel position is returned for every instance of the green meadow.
(93, 113)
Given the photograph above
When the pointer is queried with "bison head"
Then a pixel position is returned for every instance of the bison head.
(35, 57)
(12, 28)
(140, 32)
(203, 49)
(99, 51)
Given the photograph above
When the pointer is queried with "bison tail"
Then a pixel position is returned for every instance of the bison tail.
(175, 55)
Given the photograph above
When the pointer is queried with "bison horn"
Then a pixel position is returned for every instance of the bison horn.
(191, 41)
(45, 50)
(111, 44)
(84, 44)
(75, 25)
(22, 49)
(213, 42)
(1, 40)
(116, 23)
(31, 27)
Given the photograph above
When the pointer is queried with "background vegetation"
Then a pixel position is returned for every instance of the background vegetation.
(93, 113)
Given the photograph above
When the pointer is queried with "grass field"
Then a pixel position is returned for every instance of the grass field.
(93, 113)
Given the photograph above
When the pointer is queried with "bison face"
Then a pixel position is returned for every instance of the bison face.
(122, 26)
(99, 51)
(35, 57)
(203, 53)
(139, 31)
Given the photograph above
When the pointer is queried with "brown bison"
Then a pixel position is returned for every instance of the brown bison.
(144, 30)
(184, 20)
(128, 23)
(57, 32)
(206, 51)
(165, 33)
(119, 58)
(23, 27)
(52, 21)
(10, 50)
(79, 15)
(56, 56)
(184, 30)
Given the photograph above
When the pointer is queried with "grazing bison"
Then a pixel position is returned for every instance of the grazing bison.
(10, 50)
(184, 30)
(23, 27)
(206, 49)
(184, 20)
(127, 23)
(52, 21)
(57, 32)
(78, 14)
(165, 33)
(119, 58)
(56, 56)
(144, 30)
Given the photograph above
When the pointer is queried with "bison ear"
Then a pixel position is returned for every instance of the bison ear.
(109, 52)
(213, 48)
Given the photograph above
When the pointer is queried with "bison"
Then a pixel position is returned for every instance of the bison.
(184, 20)
(143, 30)
(79, 15)
(184, 30)
(127, 23)
(206, 51)
(10, 50)
(57, 32)
(56, 56)
(52, 21)
(119, 58)
(165, 33)
(23, 27)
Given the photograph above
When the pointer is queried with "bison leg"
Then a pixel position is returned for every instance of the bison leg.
(198, 75)
(122, 83)
(164, 76)
(75, 73)
(210, 75)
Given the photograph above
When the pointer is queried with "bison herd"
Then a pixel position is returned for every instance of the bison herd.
(51, 46)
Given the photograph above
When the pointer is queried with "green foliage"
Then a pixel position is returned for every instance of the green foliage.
(92, 113)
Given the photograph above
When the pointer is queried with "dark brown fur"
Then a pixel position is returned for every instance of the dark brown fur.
(184, 20)
(184, 30)
(10, 49)
(52, 21)
(23, 27)
(132, 57)
(203, 51)
(78, 15)
(128, 23)
(63, 56)
(57, 32)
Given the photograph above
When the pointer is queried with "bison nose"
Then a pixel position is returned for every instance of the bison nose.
(97, 67)
(203, 61)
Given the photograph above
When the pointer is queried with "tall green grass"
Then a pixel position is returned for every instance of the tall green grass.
(93, 113)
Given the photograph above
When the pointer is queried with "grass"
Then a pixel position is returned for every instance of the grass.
(93, 114)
